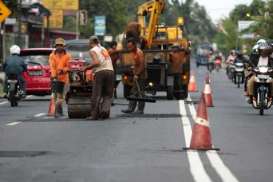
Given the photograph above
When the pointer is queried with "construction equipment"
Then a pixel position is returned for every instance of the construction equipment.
(166, 51)
(79, 96)
(138, 96)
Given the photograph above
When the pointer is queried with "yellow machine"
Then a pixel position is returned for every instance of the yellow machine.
(167, 52)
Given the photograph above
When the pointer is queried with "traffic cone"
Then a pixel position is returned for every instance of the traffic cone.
(208, 94)
(201, 136)
(192, 84)
(51, 108)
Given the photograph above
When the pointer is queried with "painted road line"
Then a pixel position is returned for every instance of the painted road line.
(222, 170)
(6, 102)
(196, 167)
(13, 123)
(39, 115)
(217, 163)
(3, 103)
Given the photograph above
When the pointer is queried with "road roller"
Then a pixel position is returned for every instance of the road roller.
(78, 98)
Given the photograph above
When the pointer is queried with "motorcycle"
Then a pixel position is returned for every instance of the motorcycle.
(230, 71)
(238, 74)
(262, 98)
(15, 93)
(218, 64)
(210, 66)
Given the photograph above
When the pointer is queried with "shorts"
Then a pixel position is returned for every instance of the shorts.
(58, 87)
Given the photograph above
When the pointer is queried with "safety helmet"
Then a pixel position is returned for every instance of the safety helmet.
(263, 46)
(255, 47)
(261, 41)
(60, 41)
(15, 49)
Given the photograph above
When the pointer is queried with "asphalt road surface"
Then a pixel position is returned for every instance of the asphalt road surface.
(134, 148)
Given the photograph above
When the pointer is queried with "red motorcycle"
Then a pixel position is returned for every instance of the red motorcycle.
(218, 64)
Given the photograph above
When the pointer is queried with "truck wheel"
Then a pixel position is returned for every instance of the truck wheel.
(183, 94)
(170, 93)
(126, 90)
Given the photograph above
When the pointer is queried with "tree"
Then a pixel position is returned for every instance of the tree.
(114, 10)
(198, 25)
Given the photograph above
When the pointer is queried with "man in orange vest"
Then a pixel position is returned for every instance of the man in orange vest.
(139, 77)
(59, 67)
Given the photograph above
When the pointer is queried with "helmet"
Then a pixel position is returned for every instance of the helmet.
(255, 47)
(15, 49)
(263, 46)
(60, 41)
(261, 41)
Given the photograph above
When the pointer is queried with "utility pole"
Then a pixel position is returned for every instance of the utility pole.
(19, 15)
(1, 43)
(77, 24)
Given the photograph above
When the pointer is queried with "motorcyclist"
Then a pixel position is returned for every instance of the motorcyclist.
(230, 60)
(240, 58)
(264, 59)
(255, 50)
(14, 66)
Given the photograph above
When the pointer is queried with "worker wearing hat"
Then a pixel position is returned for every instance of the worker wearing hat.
(59, 67)
(103, 86)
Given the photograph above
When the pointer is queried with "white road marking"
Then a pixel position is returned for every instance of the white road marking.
(221, 169)
(196, 167)
(217, 163)
(6, 102)
(3, 103)
(39, 115)
(13, 123)
(29, 96)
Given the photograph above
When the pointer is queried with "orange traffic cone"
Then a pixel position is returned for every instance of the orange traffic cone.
(208, 94)
(201, 136)
(192, 84)
(51, 108)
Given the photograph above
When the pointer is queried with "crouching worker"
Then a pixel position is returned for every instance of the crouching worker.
(59, 67)
(103, 85)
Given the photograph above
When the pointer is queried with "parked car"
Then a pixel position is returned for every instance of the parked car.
(37, 76)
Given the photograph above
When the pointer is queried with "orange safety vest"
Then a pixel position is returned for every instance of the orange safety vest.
(58, 63)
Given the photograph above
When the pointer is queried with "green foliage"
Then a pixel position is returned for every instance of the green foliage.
(256, 11)
(114, 10)
(198, 25)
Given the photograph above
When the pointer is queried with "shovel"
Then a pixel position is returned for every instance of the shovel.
(139, 97)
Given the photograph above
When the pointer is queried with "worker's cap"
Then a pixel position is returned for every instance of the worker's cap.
(60, 41)
(94, 39)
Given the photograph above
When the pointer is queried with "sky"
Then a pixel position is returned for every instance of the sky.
(220, 8)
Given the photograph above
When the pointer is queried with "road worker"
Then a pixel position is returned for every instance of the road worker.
(103, 86)
(139, 77)
(59, 67)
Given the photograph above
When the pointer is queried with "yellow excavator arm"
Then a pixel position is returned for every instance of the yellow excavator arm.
(151, 9)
